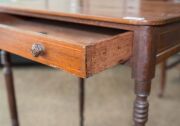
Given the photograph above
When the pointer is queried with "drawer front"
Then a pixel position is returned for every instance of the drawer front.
(56, 53)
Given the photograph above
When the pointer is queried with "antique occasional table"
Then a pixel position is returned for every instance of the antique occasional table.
(85, 37)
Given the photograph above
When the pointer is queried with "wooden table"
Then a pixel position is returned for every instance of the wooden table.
(85, 37)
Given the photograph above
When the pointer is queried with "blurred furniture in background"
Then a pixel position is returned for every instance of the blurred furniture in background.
(165, 65)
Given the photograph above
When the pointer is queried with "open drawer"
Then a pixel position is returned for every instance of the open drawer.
(80, 49)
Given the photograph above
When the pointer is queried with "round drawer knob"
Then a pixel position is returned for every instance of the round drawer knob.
(37, 50)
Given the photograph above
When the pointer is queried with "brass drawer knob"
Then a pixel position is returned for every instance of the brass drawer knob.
(37, 50)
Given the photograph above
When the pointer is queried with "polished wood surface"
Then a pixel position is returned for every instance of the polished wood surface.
(136, 12)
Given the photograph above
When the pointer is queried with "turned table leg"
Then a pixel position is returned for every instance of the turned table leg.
(141, 104)
(81, 99)
(6, 62)
(143, 71)
(163, 79)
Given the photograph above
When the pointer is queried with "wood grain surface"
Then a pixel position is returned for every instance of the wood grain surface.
(134, 12)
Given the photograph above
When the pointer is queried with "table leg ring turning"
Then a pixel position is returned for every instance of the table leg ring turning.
(141, 104)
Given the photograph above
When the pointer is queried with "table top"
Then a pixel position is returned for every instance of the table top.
(134, 12)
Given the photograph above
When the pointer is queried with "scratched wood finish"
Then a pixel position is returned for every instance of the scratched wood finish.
(72, 47)
(137, 12)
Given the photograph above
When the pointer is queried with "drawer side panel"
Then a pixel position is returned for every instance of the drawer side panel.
(109, 53)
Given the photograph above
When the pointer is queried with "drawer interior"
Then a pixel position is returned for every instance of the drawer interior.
(67, 32)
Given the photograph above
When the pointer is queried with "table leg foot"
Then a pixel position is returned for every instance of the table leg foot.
(81, 99)
(141, 104)
(6, 62)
